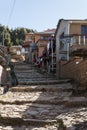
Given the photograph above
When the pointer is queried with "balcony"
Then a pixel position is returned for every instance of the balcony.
(78, 45)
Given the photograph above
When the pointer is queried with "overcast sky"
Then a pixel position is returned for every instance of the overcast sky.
(40, 14)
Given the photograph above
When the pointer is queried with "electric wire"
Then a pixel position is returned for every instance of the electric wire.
(11, 13)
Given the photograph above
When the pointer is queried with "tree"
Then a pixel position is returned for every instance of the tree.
(13, 37)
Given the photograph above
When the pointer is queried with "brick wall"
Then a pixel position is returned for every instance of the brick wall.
(75, 69)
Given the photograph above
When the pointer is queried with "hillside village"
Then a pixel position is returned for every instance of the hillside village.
(51, 69)
(57, 50)
(63, 49)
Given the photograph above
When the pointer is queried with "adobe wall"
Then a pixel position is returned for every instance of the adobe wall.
(75, 28)
(75, 69)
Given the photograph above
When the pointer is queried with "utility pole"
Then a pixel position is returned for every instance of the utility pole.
(3, 38)
(52, 52)
(52, 37)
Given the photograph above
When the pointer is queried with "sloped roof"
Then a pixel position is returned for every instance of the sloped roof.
(70, 21)
(48, 31)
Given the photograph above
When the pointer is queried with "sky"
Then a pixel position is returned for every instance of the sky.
(40, 15)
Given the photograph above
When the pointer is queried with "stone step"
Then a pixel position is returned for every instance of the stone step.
(39, 82)
(43, 96)
(64, 87)
(31, 111)
(28, 127)
(33, 74)
(41, 102)
(19, 121)
(30, 124)
(40, 97)
(32, 77)
(29, 69)
(77, 102)
(19, 98)
(75, 118)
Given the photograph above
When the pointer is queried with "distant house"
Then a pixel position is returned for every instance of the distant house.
(39, 41)
(16, 53)
(43, 40)
(71, 42)
(26, 50)
(29, 47)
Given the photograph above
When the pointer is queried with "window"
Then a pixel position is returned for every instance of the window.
(18, 52)
(41, 37)
(44, 37)
(84, 30)
(30, 38)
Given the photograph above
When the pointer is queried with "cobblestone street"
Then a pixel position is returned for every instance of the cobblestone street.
(41, 102)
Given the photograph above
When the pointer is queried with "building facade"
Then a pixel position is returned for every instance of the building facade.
(68, 33)
(41, 40)
(71, 48)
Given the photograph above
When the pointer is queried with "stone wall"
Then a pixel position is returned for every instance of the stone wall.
(75, 69)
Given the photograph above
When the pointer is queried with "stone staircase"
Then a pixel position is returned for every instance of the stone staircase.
(41, 102)
(29, 74)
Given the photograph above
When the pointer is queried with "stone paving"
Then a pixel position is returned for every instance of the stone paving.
(41, 106)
